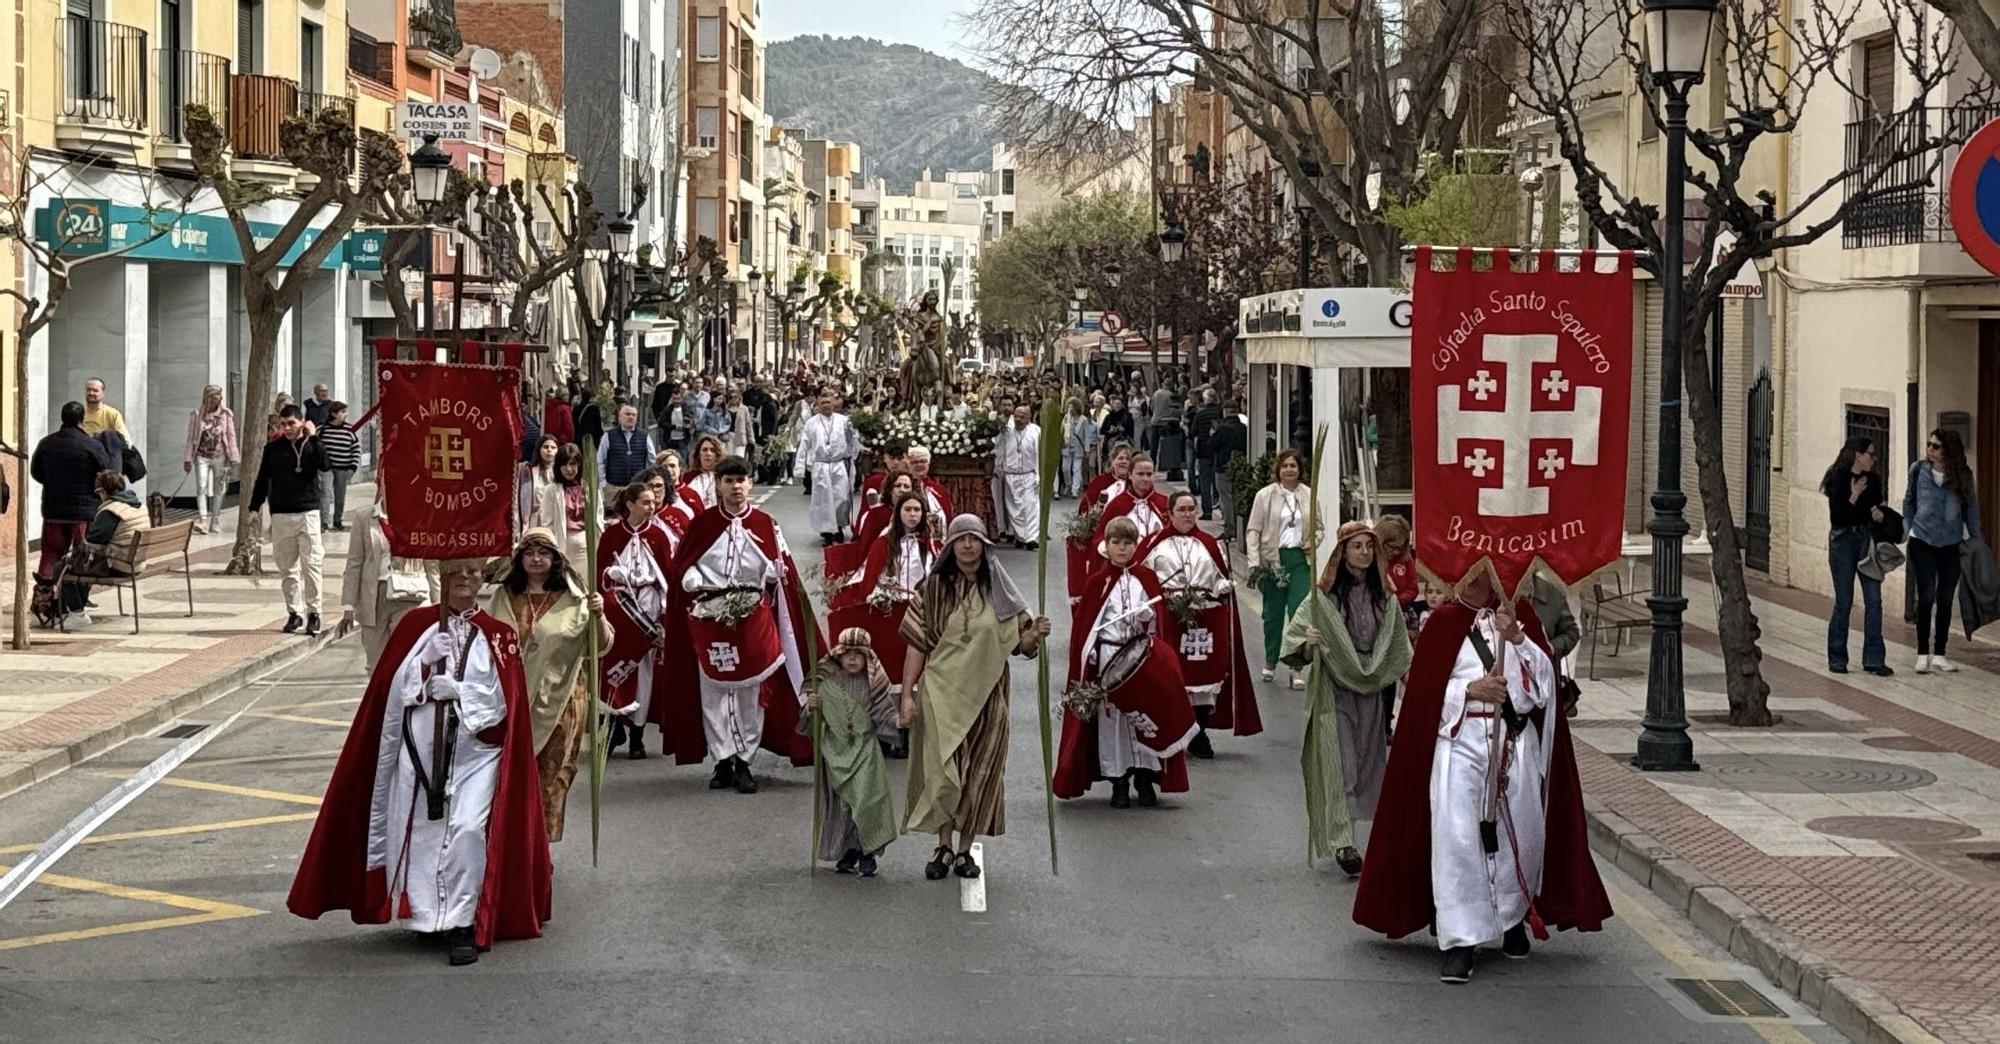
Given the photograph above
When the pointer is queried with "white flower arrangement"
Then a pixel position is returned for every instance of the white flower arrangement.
(945, 436)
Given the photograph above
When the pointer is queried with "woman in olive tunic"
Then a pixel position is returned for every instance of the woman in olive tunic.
(542, 600)
(963, 622)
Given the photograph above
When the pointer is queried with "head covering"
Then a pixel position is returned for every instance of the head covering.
(1349, 531)
(1007, 600)
(854, 639)
(537, 535)
(966, 525)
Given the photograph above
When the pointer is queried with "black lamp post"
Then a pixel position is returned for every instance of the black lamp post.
(1173, 246)
(756, 278)
(618, 233)
(430, 176)
(1677, 33)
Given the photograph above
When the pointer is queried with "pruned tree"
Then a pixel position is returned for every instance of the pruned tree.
(69, 243)
(1026, 278)
(1775, 62)
(1978, 31)
(324, 145)
(1348, 96)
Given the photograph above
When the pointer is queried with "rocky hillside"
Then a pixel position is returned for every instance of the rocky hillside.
(907, 107)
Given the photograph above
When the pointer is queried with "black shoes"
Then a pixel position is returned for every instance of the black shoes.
(1457, 966)
(1349, 860)
(1201, 748)
(865, 868)
(293, 622)
(1029, 545)
(1121, 793)
(617, 733)
(1884, 671)
(725, 775)
(636, 732)
(745, 782)
(1148, 797)
(312, 623)
(460, 947)
(1515, 943)
(848, 860)
(900, 748)
(940, 864)
(1842, 669)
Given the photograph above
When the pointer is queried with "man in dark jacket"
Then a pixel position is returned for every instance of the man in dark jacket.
(288, 478)
(1226, 440)
(66, 463)
(1200, 425)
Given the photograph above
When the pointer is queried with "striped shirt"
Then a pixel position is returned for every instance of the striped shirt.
(343, 449)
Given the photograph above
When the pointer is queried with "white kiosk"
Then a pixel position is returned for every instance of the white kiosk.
(1324, 331)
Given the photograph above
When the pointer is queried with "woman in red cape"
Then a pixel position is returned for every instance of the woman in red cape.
(1080, 553)
(634, 657)
(515, 896)
(1077, 765)
(879, 596)
(843, 562)
(1394, 897)
(1236, 705)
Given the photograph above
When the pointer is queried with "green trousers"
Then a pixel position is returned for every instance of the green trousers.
(1280, 604)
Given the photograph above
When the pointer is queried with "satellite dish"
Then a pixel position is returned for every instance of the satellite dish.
(485, 63)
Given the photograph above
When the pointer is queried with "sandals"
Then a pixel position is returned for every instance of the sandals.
(964, 867)
(939, 865)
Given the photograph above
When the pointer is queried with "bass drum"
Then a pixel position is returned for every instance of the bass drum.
(1143, 678)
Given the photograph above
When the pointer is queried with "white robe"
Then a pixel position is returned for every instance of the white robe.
(1125, 616)
(635, 570)
(731, 717)
(1018, 455)
(828, 445)
(1478, 897)
(1184, 562)
(440, 863)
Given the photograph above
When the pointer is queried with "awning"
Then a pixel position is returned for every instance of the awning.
(1330, 352)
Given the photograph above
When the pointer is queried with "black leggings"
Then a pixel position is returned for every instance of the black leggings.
(1936, 572)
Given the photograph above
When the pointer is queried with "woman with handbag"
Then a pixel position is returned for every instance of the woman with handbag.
(1854, 496)
(376, 587)
(211, 451)
(1942, 511)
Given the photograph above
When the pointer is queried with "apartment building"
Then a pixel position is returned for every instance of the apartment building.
(931, 239)
(723, 50)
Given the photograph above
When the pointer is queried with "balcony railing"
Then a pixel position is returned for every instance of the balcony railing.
(191, 78)
(433, 26)
(311, 103)
(103, 72)
(258, 106)
(1917, 206)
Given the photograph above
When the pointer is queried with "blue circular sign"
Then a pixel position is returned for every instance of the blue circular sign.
(1330, 309)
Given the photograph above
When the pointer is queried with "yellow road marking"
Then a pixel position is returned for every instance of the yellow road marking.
(258, 759)
(204, 911)
(299, 718)
(176, 831)
(1677, 950)
(224, 788)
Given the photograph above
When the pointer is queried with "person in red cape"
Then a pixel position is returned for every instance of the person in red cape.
(1142, 725)
(632, 557)
(879, 597)
(697, 487)
(433, 817)
(673, 508)
(868, 495)
(1081, 551)
(743, 684)
(842, 562)
(1206, 635)
(1429, 861)
(1140, 500)
(919, 462)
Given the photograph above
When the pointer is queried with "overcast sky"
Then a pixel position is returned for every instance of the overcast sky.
(926, 23)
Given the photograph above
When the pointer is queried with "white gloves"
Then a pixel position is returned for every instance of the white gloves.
(618, 575)
(442, 688)
(441, 647)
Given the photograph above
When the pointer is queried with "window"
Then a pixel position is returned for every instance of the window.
(706, 221)
(249, 36)
(707, 38)
(1869, 422)
(311, 52)
(1007, 182)
(1878, 75)
(632, 68)
(707, 126)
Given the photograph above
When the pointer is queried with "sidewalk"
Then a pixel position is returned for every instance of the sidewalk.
(74, 695)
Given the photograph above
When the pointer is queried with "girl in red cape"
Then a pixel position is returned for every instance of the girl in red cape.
(879, 597)
(632, 558)
(355, 844)
(1218, 680)
(1080, 552)
(1395, 895)
(843, 562)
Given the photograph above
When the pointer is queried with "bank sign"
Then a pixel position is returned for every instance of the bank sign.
(81, 227)
(1360, 311)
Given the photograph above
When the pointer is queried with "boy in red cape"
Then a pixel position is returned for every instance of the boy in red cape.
(744, 684)
(1191, 563)
(463, 851)
(1430, 867)
(1144, 723)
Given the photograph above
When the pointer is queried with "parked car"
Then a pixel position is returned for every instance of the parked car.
(972, 366)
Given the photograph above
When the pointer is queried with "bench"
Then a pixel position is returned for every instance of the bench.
(143, 548)
(1617, 612)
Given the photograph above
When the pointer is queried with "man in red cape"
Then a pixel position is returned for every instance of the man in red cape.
(1397, 894)
(742, 687)
(1142, 729)
(1210, 646)
(473, 860)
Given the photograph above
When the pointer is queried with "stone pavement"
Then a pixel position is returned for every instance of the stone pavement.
(74, 695)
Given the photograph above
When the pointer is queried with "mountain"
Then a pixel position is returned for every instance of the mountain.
(907, 107)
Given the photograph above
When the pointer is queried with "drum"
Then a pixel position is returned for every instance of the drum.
(1144, 679)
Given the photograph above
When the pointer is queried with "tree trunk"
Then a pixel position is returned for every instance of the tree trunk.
(265, 314)
(24, 584)
(1736, 621)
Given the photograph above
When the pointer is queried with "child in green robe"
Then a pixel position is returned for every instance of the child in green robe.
(850, 699)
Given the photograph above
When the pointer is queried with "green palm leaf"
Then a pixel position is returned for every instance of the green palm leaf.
(1051, 466)
(593, 512)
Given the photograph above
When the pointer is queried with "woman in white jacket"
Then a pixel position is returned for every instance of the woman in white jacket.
(1276, 540)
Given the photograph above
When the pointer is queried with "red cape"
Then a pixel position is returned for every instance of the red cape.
(515, 898)
(681, 707)
(1395, 893)
(1080, 553)
(1236, 705)
(627, 641)
(936, 489)
(850, 608)
(1076, 765)
(1122, 505)
(1093, 491)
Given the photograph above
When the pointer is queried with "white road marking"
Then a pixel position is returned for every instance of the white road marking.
(972, 890)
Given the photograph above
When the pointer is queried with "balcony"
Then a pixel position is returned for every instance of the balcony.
(434, 37)
(258, 106)
(103, 108)
(1917, 209)
(187, 78)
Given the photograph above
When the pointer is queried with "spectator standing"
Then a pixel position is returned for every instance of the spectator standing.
(661, 409)
(343, 457)
(1854, 494)
(625, 450)
(1079, 437)
(1941, 510)
(100, 416)
(1200, 425)
(1117, 425)
(742, 427)
(288, 478)
(531, 426)
(319, 408)
(274, 421)
(558, 419)
(211, 451)
(1226, 440)
(66, 462)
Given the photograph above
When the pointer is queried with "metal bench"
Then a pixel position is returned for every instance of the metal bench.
(1616, 612)
(148, 547)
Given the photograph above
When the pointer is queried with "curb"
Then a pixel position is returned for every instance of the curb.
(160, 712)
(1847, 1004)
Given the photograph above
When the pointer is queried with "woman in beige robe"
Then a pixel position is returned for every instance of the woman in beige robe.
(963, 622)
(545, 604)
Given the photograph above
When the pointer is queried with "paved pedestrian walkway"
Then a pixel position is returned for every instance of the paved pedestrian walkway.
(74, 695)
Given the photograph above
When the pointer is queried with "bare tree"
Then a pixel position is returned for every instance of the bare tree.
(58, 256)
(324, 145)
(1775, 62)
(1348, 96)
(1977, 30)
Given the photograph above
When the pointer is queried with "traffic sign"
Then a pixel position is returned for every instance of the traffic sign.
(1112, 323)
(448, 121)
(1975, 196)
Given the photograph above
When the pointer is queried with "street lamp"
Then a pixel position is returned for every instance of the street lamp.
(1677, 33)
(1113, 275)
(430, 175)
(1173, 242)
(618, 235)
(619, 230)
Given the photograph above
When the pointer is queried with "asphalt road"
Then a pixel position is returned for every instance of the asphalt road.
(1199, 920)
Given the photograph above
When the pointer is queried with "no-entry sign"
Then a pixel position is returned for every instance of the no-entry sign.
(1975, 196)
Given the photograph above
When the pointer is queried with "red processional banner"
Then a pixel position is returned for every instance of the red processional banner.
(450, 437)
(1520, 394)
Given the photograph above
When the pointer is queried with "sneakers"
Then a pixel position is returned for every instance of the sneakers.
(1457, 969)
(848, 860)
(1269, 673)
(1298, 680)
(745, 782)
(1940, 665)
(866, 867)
(1923, 663)
(1515, 943)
